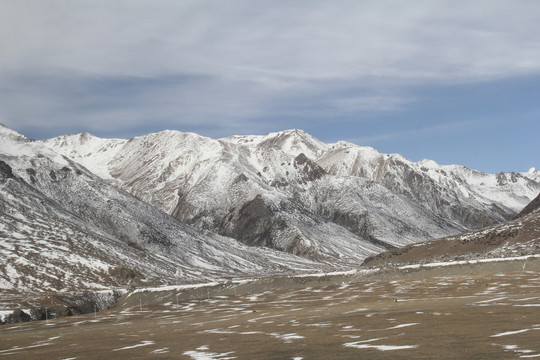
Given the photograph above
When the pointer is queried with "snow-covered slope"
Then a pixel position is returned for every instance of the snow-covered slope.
(468, 197)
(63, 228)
(518, 238)
(290, 191)
(532, 174)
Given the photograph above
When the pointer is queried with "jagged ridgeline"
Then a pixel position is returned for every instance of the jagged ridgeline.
(292, 192)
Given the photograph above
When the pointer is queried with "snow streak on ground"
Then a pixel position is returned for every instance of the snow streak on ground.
(412, 318)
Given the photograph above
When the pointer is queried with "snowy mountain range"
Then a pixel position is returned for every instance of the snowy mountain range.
(63, 228)
(290, 191)
(80, 212)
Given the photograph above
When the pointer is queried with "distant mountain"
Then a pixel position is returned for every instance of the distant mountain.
(533, 206)
(518, 237)
(62, 228)
(292, 192)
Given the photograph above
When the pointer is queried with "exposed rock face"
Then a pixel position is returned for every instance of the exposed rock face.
(52, 312)
(5, 171)
(17, 316)
(53, 306)
(308, 169)
(254, 223)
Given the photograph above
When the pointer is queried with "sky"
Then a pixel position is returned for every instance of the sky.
(454, 81)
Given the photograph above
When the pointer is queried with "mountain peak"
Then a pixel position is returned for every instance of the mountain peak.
(175, 135)
(294, 133)
(294, 142)
(7, 132)
(298, 132)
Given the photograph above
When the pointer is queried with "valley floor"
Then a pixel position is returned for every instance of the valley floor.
(493, 315)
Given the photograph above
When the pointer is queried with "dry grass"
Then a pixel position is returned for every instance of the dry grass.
(461, 316)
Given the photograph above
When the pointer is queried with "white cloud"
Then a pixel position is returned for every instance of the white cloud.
(272, 40)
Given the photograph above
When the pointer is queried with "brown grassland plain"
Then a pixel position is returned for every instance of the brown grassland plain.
(461, 316)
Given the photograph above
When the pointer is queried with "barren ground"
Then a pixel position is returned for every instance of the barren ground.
(459, 316)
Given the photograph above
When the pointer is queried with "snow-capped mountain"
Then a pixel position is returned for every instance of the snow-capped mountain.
(63, 228)
(290, 191)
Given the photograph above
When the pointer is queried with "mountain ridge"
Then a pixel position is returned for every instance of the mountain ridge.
(207, 182)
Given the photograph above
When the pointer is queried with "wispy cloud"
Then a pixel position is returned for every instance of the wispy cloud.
(418, 132)
(372, 103)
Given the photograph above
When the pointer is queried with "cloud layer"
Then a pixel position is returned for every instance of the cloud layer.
(231, 66)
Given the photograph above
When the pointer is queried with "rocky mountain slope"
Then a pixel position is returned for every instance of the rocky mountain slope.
(62, 228)
(533, 206)
(292, 192)
(518, 237)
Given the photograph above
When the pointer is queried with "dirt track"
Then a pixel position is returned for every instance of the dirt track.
(458, 316)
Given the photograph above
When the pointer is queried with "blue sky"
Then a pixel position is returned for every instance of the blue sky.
(454, 81)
